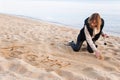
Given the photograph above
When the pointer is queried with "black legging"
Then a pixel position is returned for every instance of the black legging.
(76, 47)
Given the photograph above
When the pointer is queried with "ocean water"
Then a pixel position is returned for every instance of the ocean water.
(67, 12)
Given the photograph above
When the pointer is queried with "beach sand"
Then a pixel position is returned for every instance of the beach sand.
(37, 50)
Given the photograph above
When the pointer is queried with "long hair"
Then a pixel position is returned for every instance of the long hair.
(95, 17)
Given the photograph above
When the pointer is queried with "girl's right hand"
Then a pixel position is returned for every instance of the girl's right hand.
(98, 55)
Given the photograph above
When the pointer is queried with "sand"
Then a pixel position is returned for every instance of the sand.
(37, 50)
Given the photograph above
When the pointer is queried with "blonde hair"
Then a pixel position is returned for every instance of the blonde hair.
(95, 17)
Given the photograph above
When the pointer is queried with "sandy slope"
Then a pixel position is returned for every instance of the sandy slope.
(37, 50)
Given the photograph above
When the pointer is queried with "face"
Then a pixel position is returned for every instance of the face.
(93, 23)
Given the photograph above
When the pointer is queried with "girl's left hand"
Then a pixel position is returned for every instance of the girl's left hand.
(105, 35)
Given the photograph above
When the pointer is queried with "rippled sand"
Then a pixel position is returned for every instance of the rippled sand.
(37, 50)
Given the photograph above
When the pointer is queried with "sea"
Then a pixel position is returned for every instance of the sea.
(67, 12)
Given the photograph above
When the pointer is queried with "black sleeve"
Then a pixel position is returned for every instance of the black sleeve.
(86, 22)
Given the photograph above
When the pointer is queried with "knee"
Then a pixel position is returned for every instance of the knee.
(76, 50)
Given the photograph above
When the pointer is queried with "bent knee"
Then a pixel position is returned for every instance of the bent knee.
(76, 50)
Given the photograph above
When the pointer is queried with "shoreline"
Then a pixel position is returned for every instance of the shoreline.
(59, 24)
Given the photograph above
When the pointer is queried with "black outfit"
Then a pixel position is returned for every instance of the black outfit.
(81, 37)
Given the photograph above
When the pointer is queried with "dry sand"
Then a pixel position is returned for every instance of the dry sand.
(37, 50)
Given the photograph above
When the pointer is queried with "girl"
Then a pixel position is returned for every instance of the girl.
(91, 32)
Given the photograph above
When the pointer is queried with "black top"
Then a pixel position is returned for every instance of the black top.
(82, 34)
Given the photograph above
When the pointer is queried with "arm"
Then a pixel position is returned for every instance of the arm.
(89, 39)
(92, 45)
